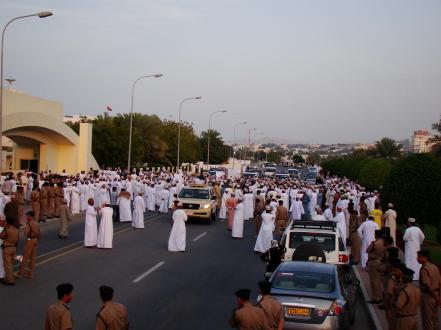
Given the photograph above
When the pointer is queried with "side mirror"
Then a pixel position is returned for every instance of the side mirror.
(268, 275)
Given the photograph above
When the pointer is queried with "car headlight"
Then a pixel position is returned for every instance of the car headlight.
(207, 206)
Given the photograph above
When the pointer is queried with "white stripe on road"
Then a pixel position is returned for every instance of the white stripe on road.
(200, 236)
(147, 273)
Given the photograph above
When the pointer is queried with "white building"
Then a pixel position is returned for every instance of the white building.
(420, 141)
(77, 118)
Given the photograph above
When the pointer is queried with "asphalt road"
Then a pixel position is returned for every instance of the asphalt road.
(162, 290)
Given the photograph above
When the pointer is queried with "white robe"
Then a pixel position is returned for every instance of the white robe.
(223, 208)
(263, 241)
(125, 213)
(75, 200)
(138, 212)
(413, 238)
(238, 221)
(105, 234)
(90, 228)
(163, 207)
(297, 209)
(177, 239)
(83, 198)
(248, 206)
(341, 225)
(328, 214)
(151, 199)
(173, 191)
(366, 231)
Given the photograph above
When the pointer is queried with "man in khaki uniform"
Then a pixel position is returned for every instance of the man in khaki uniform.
(112, 316)
(43, 202)
(32, 236)
(354, 223)
(51, 193)
(281, 219)
(430, 281)
(10, 236)
(58, 315)
(272, 308)
(20, 195)
(59, 198)
(65, 218)
(35, 202)
(376, 253)
(391, 290)
(217, 192)
(407, 303)
(247, 316)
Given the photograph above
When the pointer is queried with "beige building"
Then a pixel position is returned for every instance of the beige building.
(420, 141)
(40, 138)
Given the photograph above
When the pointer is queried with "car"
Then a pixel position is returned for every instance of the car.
(294, 173)
(250, 174)
(198, 202)
(281, 176)
(270, 171)
(315, 295)
(313, 240)
(218, 172)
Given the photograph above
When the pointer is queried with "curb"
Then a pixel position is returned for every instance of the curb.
(373, 315)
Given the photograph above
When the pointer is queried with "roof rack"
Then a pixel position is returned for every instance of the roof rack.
(313, 224)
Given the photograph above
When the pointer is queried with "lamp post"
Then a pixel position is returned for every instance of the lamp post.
(249, 141)
(42, 14)
(234, 137)
(208, 135)
(260, 133)
(179, 128)
(131, 116)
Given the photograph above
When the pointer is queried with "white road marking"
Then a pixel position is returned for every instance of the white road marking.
(200, 236)
(147, 273)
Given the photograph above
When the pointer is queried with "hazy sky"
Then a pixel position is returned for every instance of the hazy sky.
(314, 71)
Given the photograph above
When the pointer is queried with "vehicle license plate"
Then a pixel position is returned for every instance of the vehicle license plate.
(298, 311)
(189, 213)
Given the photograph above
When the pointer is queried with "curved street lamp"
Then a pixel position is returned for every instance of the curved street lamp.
(209, 134)
(179, 128)
(131, 116)
(42, 14)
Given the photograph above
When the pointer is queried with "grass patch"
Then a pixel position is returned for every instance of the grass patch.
(430, 233)
(431, 244)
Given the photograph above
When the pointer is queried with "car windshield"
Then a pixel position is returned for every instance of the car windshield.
(194, 193)
(270, 169)
(304, 281)
(325, 241)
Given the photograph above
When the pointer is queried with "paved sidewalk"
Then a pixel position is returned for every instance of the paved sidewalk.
(378, 315)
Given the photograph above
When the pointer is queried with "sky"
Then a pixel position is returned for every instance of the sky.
(314, 71)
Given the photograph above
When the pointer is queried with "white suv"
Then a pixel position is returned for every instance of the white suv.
(314, 241)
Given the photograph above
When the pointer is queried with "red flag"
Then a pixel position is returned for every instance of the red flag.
(109, 108)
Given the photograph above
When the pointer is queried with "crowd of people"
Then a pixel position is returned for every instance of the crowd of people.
(114, 195)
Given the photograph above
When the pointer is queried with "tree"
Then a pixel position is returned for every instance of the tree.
(219, 152)
(436, 139)
(414, 187)
(298, 159)
(374, 173)
(313, 158)
(387, 148)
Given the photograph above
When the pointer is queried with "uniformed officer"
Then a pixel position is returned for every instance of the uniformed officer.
(376, 253)
(111, 316)
(32, 236)
(273, 308)
(43, 202)
(35, 202)
(430, 281)
(247, 316)
(10, 236)
(407, 303)
(391, 290)
(58, 315)
(281, 219)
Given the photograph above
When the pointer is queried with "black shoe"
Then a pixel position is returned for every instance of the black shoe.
(9, 283)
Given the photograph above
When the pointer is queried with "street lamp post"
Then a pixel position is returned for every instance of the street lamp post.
(234, 137)
(131, 116)
(179, 128)
(208, 135)
(249, 141)
(42, 14)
